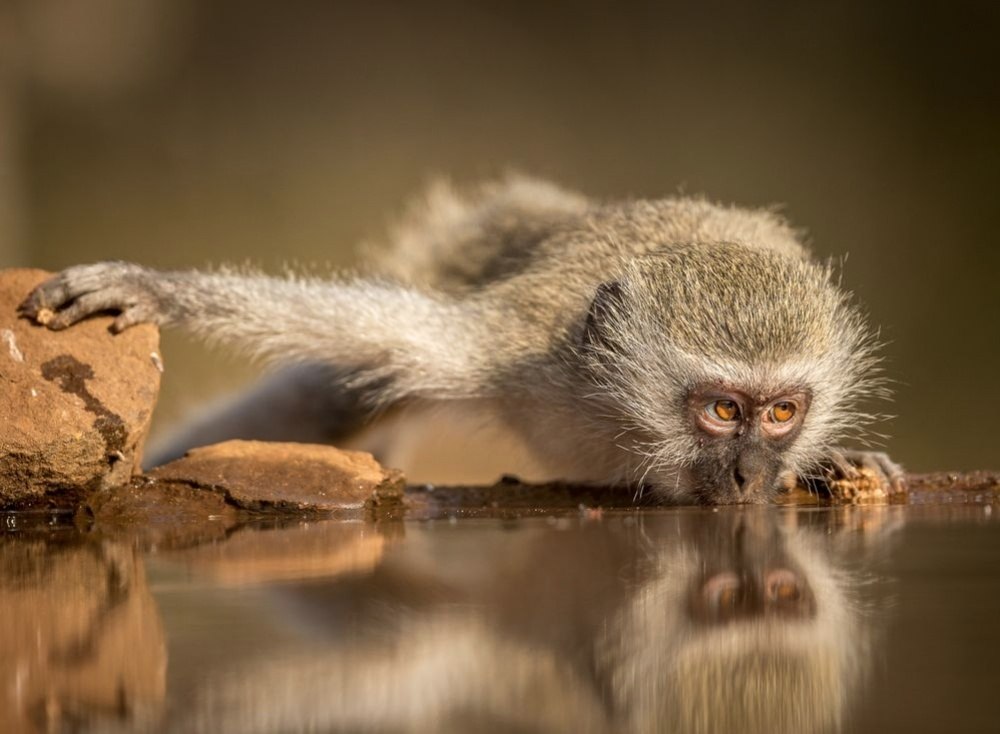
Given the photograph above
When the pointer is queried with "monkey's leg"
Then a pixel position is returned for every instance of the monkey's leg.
(408, 342)
(307, 403)
(855, 474)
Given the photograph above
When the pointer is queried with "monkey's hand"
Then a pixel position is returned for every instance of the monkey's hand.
(853, 475)
(135, 293)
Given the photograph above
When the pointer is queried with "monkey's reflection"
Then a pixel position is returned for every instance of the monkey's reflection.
(750, 578)
(682, 622)
(763, 637)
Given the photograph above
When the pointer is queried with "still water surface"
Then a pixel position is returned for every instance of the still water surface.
(856, 619)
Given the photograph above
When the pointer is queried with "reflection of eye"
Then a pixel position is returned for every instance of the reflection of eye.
(783, 586)
(721, 593)
(782, 412)
(726, 410)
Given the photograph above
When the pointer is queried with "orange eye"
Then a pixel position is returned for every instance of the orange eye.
(782, 412)
(725, 410)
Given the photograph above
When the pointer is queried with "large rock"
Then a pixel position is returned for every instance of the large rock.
(263, 475)
(75, 405)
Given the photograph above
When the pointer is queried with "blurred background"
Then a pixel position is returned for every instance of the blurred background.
(178, 133)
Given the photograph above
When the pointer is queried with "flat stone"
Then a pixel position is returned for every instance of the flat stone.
(75, 405)
(160, 514)
(262, 475)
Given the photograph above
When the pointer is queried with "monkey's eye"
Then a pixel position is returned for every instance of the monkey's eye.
(724, 410)
(782, 412)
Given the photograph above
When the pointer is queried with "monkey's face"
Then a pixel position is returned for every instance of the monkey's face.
(743, 440)
(727, 368)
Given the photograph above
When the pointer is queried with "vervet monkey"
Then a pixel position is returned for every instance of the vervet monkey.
(675, 344)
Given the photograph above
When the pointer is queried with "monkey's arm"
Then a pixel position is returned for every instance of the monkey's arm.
(420, 343)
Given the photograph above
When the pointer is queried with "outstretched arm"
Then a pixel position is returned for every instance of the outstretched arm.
(421, 344)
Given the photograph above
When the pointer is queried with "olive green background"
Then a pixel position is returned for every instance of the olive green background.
(183, 132)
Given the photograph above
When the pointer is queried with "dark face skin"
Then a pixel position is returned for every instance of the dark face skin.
(743, 439)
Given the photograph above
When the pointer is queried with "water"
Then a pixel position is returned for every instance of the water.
(852, 619)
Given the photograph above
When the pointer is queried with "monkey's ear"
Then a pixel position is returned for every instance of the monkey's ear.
(608, 300)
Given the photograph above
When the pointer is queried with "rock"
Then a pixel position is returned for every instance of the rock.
(867, 486)
(158, 514)
(975, 481)
(75, 405)
(261, 475)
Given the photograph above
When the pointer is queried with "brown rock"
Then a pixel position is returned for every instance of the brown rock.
(260, 475)
(975, 481)
(867, 486)
(161, 514)
(75, 405)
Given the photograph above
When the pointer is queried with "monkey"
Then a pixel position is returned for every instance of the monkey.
(694, 349)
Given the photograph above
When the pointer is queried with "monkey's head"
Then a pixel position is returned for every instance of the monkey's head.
(728, 368)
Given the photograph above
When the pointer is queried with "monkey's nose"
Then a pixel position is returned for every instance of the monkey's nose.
(739, 479)
(747, 485)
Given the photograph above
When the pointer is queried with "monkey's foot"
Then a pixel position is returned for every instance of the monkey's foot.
(857, 476)
(79, 292)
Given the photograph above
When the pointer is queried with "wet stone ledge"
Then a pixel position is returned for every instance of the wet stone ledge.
(179, 506)
(177, 513)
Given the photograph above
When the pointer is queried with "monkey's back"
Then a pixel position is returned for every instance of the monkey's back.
(457, 241)
(454, 241)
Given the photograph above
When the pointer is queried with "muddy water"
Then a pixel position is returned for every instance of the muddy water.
(737, 620)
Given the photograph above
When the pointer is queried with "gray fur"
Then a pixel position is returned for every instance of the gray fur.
(305, 402)
(489, 296)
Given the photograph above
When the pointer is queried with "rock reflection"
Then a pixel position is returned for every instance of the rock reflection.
(81, 643)
(322, 550)
(691, 621)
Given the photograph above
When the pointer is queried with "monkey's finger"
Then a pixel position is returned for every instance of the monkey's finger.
(893, 472)
(44, 298)
(136, 314)
(843, 465)
(899, 483)
(84, 306)
(890, 474)
(57, 291)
